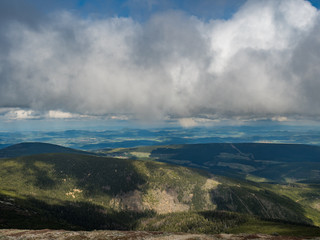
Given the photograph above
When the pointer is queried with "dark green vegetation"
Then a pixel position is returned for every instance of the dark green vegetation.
(81, 191)
(104, 181)
(30, 213)
(263, 171)
(30, 148)
(34, 214)
(211, 222)
(281, 163)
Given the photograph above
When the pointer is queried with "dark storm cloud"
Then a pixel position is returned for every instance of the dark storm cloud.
(262, 62)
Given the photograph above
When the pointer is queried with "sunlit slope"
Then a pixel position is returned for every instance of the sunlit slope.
(284, 163)
(224, 222)
(74, 186)
(111, 183)
(286, 170)
(30, 148)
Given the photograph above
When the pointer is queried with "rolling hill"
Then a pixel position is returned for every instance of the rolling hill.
(30, 148)
(85, 192)
(278, 163)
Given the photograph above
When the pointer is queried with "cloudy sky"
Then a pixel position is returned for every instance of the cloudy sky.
(149, 60)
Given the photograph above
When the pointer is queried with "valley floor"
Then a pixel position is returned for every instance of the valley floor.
(11, 234)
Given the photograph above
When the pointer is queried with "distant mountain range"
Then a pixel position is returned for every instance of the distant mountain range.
(49, 186)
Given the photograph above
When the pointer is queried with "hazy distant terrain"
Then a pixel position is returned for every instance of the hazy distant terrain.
(131, 137)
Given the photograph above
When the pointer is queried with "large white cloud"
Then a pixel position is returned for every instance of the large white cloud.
(260, 63)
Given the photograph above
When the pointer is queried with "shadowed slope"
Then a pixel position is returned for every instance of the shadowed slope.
(254, 161)
(122, 184)
(30, 148)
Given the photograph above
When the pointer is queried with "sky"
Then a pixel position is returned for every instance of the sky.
(189, 61)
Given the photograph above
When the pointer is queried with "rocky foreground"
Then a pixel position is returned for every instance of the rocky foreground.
(129, 235)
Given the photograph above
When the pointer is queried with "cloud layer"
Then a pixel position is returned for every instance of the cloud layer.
(262, 62)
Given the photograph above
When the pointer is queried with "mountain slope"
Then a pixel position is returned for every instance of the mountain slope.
(30, 148)
(254, 161)
(114, 193)
(112, 181)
